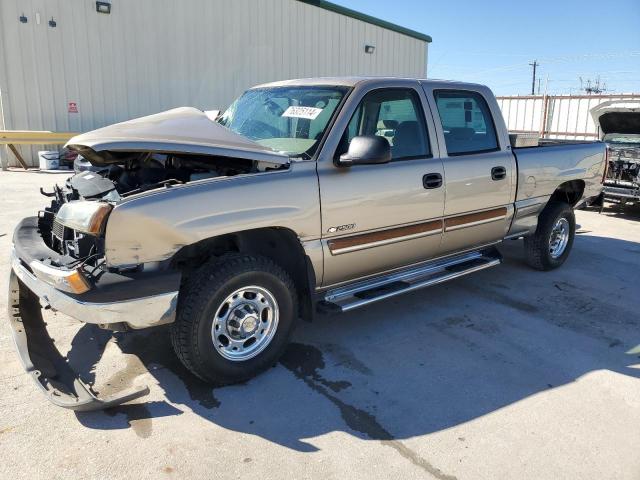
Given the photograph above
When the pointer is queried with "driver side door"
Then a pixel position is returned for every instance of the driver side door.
(377, 218)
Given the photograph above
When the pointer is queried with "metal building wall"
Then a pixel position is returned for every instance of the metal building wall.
(555, 116)
(152, 55)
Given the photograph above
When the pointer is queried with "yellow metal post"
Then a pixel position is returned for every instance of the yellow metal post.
(18, 156)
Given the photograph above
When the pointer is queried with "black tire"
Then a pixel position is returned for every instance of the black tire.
(203, 295)
(537, 245)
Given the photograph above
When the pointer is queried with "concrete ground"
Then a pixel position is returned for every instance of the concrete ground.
(505, 374)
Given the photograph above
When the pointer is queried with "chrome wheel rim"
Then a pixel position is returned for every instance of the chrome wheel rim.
(245, 323)
(559, 237)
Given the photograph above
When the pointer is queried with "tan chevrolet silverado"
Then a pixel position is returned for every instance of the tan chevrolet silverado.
(304, 196)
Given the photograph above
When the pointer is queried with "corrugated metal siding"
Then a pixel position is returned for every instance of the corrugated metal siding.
(567, 116)
(152, 55)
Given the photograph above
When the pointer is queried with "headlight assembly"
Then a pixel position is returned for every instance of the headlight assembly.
(84, 216)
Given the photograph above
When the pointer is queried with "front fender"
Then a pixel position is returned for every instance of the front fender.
(152, 227)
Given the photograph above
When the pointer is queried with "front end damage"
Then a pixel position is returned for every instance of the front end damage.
(60, 260)
(81, 288)
(623, 176)
(618, 122)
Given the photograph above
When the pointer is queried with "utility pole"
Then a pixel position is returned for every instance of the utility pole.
(533, 83)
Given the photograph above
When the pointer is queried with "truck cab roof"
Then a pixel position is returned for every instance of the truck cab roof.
(353, 81)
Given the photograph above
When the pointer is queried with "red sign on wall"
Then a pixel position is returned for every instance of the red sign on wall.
(73, 107)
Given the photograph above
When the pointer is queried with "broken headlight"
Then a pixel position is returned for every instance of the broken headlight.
(84, 216)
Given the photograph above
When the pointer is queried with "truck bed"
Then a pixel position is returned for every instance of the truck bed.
(540, 167)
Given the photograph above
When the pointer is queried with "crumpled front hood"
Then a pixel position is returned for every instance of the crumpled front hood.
(180, 130)
(617, 116)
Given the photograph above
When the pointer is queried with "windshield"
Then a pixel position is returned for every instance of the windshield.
(619, 138)
(290, 120)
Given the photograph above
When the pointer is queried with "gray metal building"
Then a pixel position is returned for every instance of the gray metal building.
(65, 66)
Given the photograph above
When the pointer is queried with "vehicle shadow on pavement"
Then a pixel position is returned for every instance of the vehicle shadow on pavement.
(628, 212)
(412, 365)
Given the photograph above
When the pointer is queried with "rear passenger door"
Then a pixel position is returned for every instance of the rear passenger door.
(479, 168)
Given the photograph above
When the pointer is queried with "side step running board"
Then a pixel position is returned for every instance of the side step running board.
(363, 293)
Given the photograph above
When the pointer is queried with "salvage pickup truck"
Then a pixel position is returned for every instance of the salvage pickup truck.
(304, 196)
(618, 123)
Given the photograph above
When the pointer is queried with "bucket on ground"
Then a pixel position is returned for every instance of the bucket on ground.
(48, 159)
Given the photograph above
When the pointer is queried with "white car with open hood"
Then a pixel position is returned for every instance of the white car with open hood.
(618, 123)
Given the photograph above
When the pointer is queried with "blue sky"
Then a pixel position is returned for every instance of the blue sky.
(493, 41)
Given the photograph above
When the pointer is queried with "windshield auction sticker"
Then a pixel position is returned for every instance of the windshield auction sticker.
(302, 112)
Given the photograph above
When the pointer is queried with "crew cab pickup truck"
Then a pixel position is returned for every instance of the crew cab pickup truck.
(304, 196)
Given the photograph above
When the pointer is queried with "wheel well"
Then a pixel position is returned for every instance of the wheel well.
(569, 192)
(278, 244)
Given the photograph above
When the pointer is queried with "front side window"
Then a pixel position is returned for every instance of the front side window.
(466, 121)
(290, 120)
(396, 115)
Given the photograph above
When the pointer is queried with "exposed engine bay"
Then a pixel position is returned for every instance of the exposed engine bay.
(623, 175)
(618, 122)
(139, 172)
(134, 173)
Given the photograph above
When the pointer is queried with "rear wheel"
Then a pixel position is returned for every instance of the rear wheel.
(235, 318)
(550, 246)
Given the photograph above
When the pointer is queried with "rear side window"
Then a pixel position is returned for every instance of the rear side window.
(466, 121)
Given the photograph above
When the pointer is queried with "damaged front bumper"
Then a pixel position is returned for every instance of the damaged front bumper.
(45, 364)
(137, 299)
(134, 300)
(135, 313)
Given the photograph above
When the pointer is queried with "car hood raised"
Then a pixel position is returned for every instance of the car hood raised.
(617, 116)
(181, 130)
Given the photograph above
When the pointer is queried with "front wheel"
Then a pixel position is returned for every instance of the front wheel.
(549, 246)
(235, 318)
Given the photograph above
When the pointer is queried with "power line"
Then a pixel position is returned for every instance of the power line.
(547, 60)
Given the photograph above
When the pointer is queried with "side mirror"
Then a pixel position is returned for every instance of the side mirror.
(366, 150)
